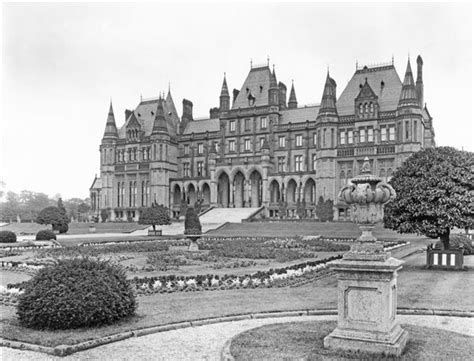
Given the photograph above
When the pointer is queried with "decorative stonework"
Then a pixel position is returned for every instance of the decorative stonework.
(367, 277)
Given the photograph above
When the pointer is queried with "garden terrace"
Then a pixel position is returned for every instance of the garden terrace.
(76, 227)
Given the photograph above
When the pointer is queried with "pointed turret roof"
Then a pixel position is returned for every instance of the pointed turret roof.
(328, 101)
(273, 79)
(170, 103)
(110, 127)
(159, 125)
(225, 90)
(292, 102)
(408, 95)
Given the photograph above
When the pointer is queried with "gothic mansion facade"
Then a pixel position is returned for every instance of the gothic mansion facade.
(259, 148)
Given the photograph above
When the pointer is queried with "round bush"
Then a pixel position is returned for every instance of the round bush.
(45, 235)
(78, 292)
(7, 237)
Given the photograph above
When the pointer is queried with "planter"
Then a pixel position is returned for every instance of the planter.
(92, 228)
(193, 245)
(157, 232)
(445, 258)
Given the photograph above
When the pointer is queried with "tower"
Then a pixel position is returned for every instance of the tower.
(107, 161)
(224, 99)
(292, 102)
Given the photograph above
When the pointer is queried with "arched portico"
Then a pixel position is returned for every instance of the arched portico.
(256, 191)
(239, 188)
(223, 190)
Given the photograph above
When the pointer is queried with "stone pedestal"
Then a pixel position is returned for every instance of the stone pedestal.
(367, 302)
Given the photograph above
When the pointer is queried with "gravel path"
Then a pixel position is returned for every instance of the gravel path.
(206, 342)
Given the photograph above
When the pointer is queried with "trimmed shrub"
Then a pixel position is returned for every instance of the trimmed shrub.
(45, 235)
(79, 292)
(192, 225)
(7, 237)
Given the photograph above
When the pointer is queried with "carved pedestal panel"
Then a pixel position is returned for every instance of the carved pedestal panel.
(367, 307)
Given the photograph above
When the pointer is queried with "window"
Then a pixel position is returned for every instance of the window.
(200, 148)
(342, 137)
(383, 134)
(232, 125)
(200, 169)
(262, 140)
(371, 107)
(370, 135)
(231, 145)
(415, 131)
(333, 138)
(119, 193)
(315, 139)
(299, 140)
(143, 194)
(350, 137)
(186, 169)
(217, 146)
(281, 141)
(263, 122)
(247, 124)
(324, 137)
(313, 161)
(298, 163)
(407, 130)
(391, 133)
(281, 164)
(362, 136)
(186, 149)
(247, 145)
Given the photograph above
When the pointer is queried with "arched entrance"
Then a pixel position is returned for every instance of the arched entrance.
(239, 182)
(192, 195)
(255, 189)
(206, 194)
(223, 190)
(291, 195)
(310, 191)
(177, 195)
(274, 192)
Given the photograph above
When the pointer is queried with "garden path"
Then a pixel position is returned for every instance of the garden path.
(206, 342)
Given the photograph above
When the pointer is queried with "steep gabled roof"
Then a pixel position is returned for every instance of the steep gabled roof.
(299, 115)
(366, 91)
(385, 83)
(256, 84)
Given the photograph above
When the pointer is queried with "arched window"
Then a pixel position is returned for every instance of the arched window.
(366, 108)
(361, 108)
(371, 107)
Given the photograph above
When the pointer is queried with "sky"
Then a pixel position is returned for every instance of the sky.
(62, 63)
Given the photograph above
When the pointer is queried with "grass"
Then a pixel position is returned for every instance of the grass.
(417, 288)
(304, 341)
(75, 228)
(291, 229)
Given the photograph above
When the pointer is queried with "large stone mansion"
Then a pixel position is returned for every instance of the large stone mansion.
(259, 147)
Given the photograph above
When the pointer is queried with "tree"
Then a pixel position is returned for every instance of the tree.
(324, 209)
(435, 193)
(156, 215)
(10, 210)
(51, 215)
(103, 215)
(192, 225)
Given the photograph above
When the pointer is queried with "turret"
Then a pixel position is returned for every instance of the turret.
(292, 102)
(224, 99)
(408, 96)
(419, 80)
(159, 124)
(273, 91)
(328, 101)
(110, 133)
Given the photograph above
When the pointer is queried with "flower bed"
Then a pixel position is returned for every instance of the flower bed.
(272, 278)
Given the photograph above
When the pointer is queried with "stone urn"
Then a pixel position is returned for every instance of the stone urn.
(367, 276)
(193, 245)
(92, 228)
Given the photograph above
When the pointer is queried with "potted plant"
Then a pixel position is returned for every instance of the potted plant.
(192, 228)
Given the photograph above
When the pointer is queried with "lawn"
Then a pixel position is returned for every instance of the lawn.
(304, 340)
(75, 228)
(417, 288)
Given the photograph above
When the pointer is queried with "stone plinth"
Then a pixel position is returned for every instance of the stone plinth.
(367, 304)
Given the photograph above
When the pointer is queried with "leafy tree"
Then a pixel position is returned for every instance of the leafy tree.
(51, 215)
(435, 193)
(104, 215)
(82, 211)
(10, 210)
(192, 225)
(324, 209)
(32, 203)
(156, 215)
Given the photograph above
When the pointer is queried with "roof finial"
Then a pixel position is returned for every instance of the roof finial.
(357, 64)
(268, 60)
(273, 67)
(169, 86)
(141, 97)
(225, 74)
(292, 81)
(251, 63)
(393, 58)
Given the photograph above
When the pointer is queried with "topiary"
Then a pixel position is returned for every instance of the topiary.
(7, 237)
(192, 225)
(63, 228)
(78, 292)
(45, 235)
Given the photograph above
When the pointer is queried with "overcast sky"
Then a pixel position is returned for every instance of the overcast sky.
(61, 64)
